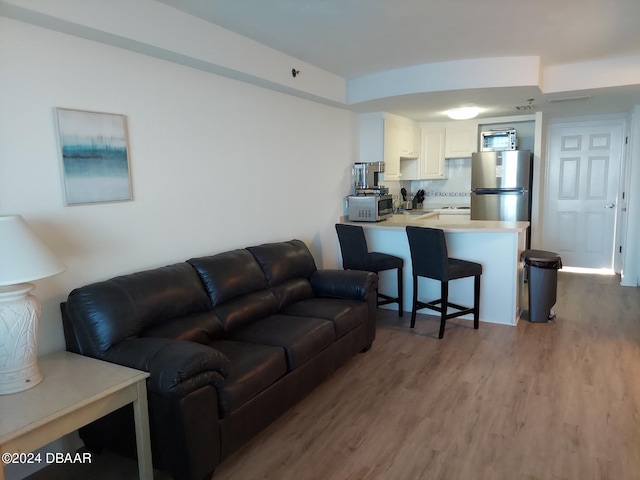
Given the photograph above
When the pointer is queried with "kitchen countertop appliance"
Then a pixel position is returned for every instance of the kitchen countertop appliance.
(366, 178)
(370, 208)
(498, 140)
(371, 201)
(501, 186)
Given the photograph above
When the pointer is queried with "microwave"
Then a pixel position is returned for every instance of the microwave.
(370, 208)
(498, 140)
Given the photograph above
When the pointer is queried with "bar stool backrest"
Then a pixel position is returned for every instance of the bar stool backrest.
(353, 245)
(429, 255)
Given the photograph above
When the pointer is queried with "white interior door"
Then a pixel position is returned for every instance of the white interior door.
(582, 192)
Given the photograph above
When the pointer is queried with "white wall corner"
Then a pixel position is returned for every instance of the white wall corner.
(631, 263)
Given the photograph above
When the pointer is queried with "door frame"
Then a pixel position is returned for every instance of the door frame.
(621, 217)
(623, 204)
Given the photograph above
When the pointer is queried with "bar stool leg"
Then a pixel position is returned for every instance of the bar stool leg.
(400, 293)
(415, 301)
(476, 302)
(444, 290)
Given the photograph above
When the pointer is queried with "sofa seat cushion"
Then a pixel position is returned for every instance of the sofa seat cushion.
(301, 337)
(253, 369)
(343, 313)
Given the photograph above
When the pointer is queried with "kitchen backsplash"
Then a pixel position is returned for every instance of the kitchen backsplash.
(455, 190)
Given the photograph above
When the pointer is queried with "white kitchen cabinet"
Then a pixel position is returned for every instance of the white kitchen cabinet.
(432, 159)
(461, 140)
(372, 142)
(378, 143)
(391, 150)
(409, 139)
(386, 138)
(430, 164)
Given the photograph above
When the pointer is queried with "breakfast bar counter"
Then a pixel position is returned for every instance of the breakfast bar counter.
(495, 245)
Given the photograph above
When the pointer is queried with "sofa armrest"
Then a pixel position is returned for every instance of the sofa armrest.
(176, 367)
(344, 283)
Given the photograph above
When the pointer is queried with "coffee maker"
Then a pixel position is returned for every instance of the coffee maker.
(366, 178)
(371, 201)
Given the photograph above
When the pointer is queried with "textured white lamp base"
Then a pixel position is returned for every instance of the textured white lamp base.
(19, 318)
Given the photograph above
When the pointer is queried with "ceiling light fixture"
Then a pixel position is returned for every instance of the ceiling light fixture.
(463, 113)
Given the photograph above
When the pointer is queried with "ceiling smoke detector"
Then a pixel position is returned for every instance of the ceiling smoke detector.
(528, 106)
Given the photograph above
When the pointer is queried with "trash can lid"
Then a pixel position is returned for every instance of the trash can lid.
(542, 259)
(539, 256)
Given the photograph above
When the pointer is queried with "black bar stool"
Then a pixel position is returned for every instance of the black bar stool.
(430, 259)
(356, 256)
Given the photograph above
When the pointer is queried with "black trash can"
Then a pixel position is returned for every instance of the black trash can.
(543, 283)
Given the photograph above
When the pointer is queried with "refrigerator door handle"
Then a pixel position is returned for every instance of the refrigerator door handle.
(499, 191)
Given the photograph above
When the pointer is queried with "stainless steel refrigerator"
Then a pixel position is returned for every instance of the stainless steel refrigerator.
(501, 185)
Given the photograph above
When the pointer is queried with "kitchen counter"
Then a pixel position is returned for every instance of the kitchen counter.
(432, 220)
(495, 245)
(437, 209)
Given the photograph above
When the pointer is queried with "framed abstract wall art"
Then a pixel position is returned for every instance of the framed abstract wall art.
(95, 157)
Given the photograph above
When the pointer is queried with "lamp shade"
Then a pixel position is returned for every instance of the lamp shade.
(23, 256)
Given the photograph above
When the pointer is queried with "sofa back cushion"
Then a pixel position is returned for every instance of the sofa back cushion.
(105, 313)
(236, 286)
(287, 267)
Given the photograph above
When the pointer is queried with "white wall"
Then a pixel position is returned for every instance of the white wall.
(216, 163)
(631, 262)
(179, 37)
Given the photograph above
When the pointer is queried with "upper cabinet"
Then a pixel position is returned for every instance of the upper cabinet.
(430, 164)
(461, 140)
(386, 138)
(409, 139)
(432, 158)
(391, 149)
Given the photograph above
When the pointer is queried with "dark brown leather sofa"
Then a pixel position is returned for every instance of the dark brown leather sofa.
(231, 342)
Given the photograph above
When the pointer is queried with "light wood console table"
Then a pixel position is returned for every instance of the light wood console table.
(76, 390)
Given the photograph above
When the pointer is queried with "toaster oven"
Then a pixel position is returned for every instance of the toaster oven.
(498, 140)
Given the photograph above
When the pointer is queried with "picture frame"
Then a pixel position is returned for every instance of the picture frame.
(94, 156)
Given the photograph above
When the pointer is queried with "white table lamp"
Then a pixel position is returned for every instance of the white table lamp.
(23, 258)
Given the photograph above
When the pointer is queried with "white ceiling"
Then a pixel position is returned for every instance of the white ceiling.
(352, 38)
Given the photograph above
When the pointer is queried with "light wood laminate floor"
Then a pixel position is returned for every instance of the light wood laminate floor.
(550, 401)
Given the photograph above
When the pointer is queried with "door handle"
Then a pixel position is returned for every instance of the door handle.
(611, 205)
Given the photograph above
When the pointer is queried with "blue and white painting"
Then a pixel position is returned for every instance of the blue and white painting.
(95, 159)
